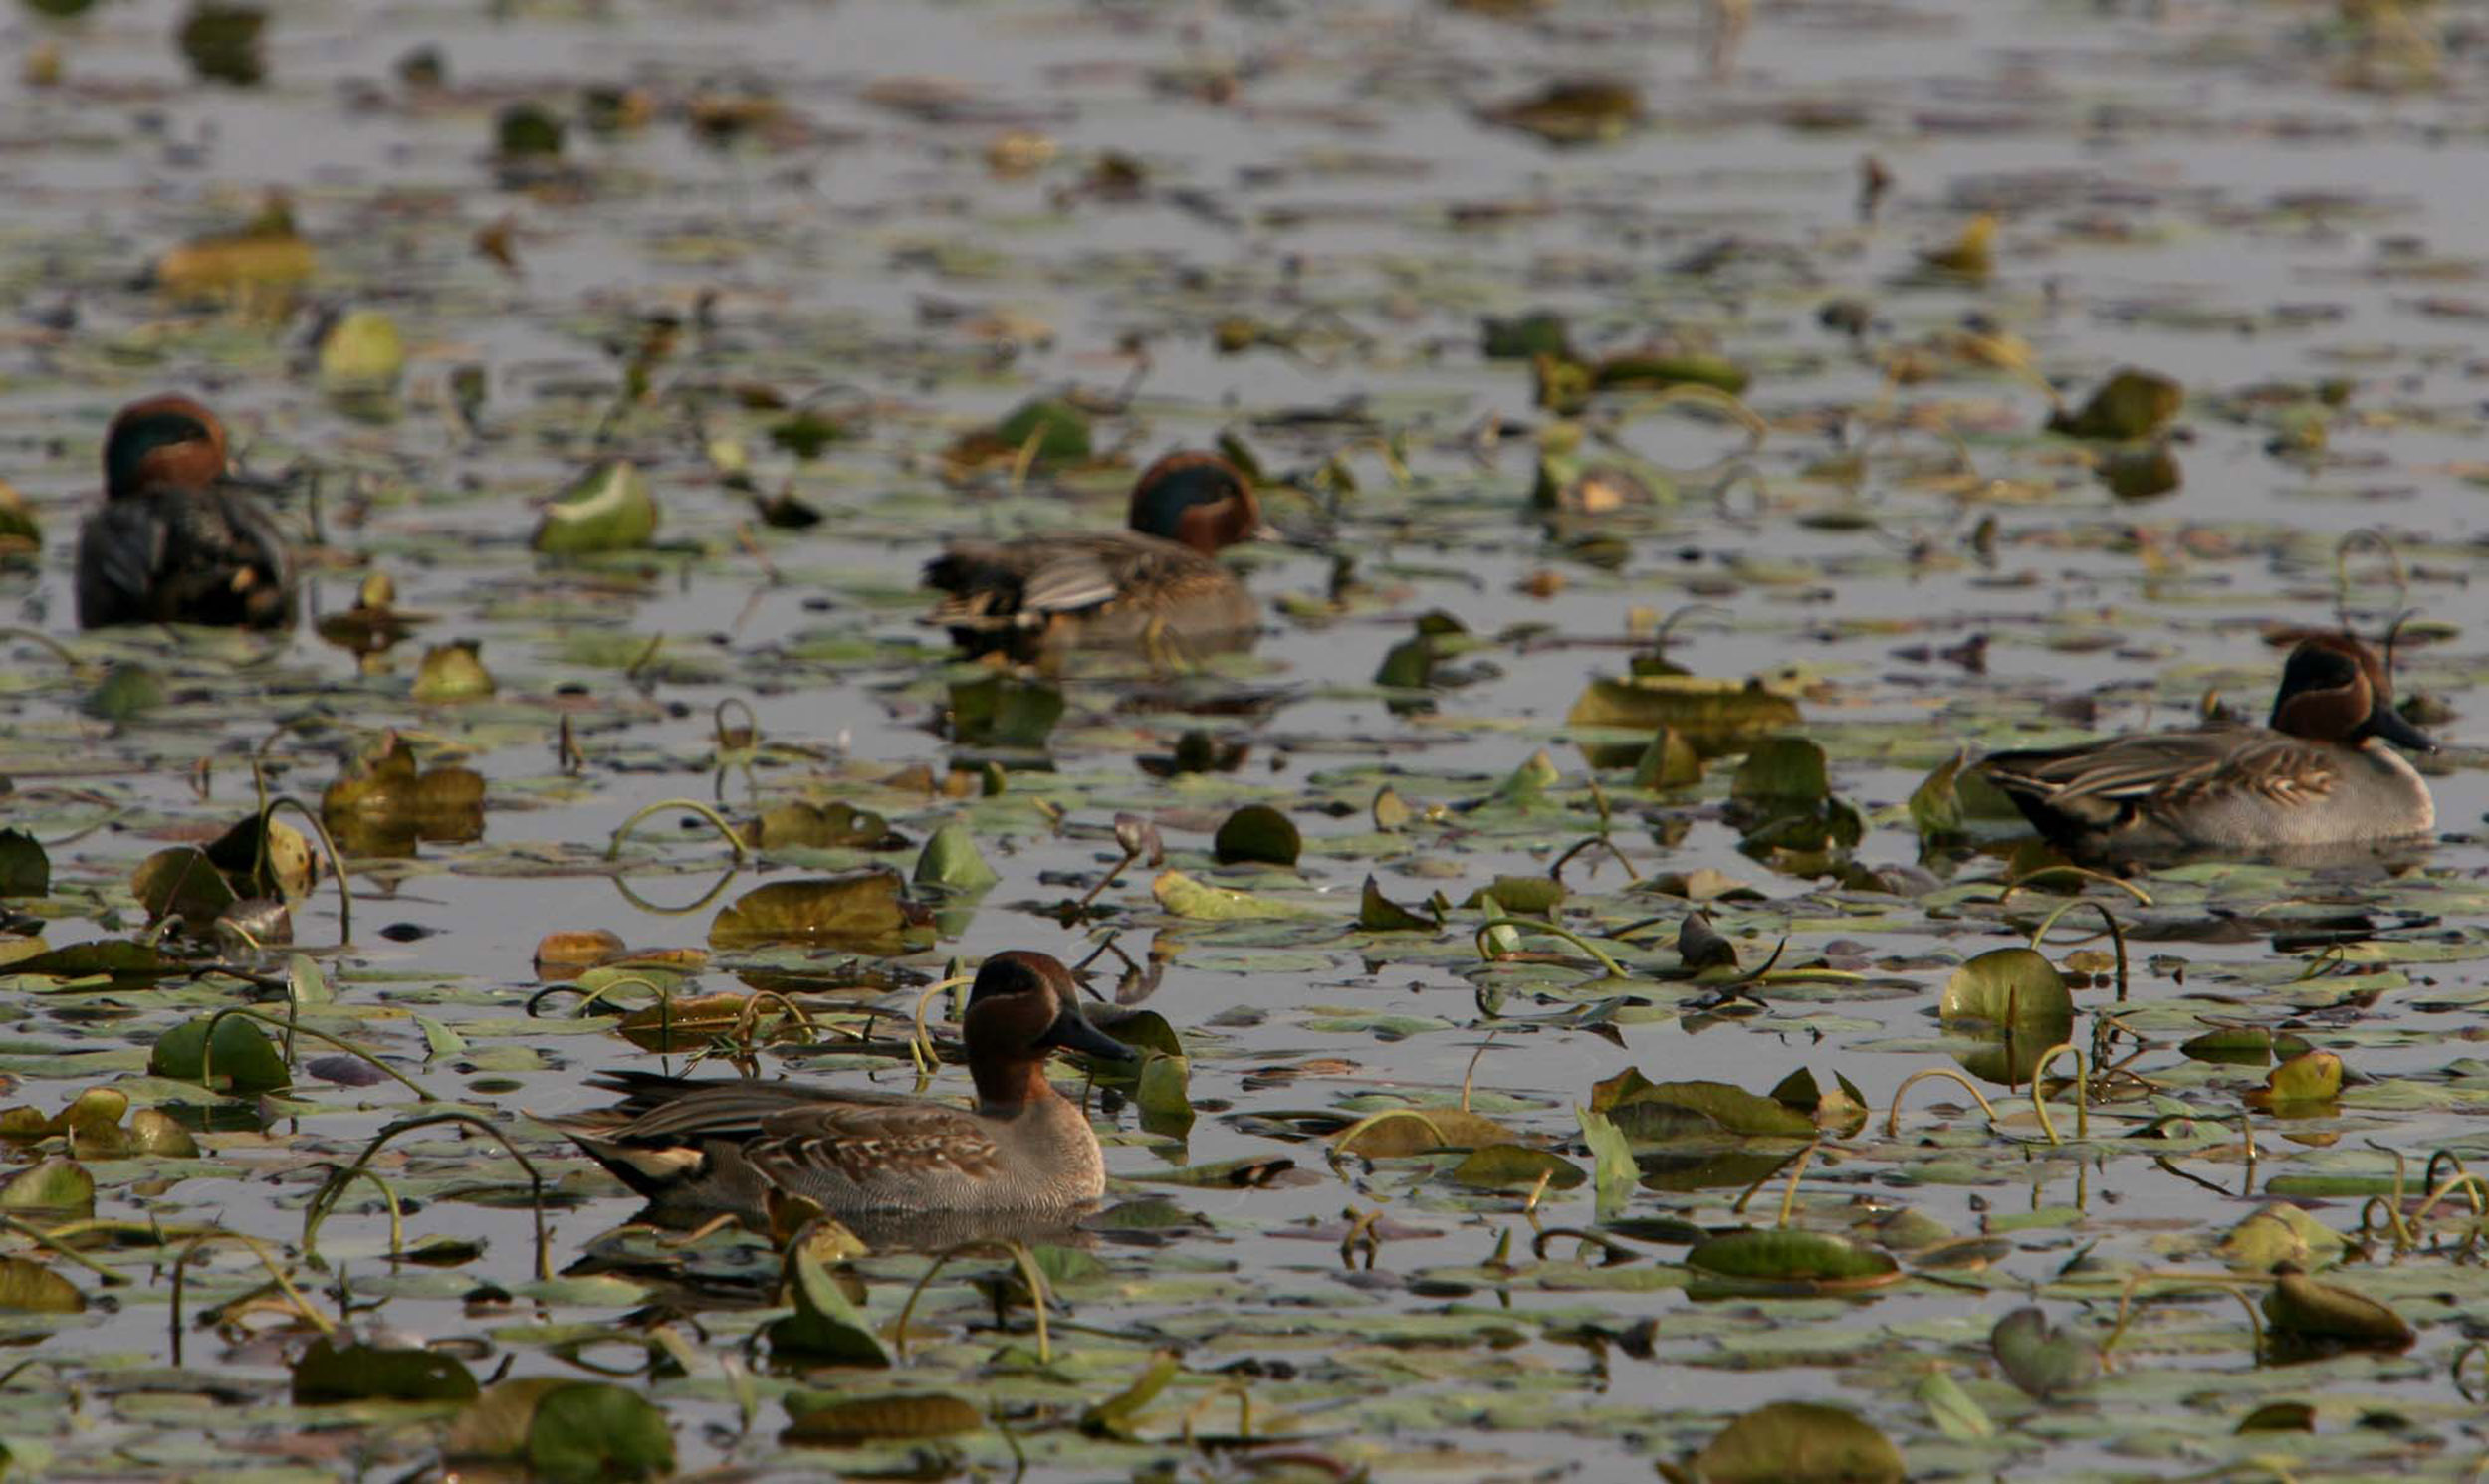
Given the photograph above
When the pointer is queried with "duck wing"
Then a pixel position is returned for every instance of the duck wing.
(669, 1130)
(1026, 583)
(208, 555)
(2110, 783)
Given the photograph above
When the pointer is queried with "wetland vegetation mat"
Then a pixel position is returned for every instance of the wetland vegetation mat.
(1593, 1022)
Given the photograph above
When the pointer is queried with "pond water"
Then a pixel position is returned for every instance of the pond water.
(2274, 206)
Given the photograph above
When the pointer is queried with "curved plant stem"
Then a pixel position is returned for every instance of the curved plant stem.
(54, 1242)
(921, 1046)
(337, 860)
(1702, 396)
(2082, 1092)
(725, 880)
(1892, 1114)
(1347, 1136)
(1614, 970)
(259, 1251)
(324, 1200)
(588, 997)
(2234, 1284)
(77, 667)
(207, 1050)
(1015, 1249)
(613, 848)
(2116, 933)
(2142, 897)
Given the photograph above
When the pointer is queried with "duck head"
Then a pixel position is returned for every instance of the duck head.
(1022, 1006)
(2335, 689)
(1197, 500)
(162, 442)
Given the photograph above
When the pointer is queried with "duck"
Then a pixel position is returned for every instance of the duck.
(729, 1146)
(176, 540)
(2322, 771)
(1158, 580)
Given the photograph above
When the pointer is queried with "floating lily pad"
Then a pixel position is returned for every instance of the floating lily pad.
(2040, 1359)
(609, 510)
(1794, 1442)
(864, 912)
(1258, 832)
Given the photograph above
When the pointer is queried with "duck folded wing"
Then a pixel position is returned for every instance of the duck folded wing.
(119, 551)
(2165, 767)
(1026, 583)
(872, 1143)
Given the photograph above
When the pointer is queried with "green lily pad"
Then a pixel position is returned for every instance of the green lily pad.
(2042, 1359)
(329, 1372)
(1258, 832)
(2301, 1307)
(1182, 896)
(362, 353)
(2130, 404)
(952, 862)
(864, 911)
(608, 510)
(1790, 1255)
(243, 1060)
(31, 1288)
(1796, 1442)
(24, 868)
(867, 1420)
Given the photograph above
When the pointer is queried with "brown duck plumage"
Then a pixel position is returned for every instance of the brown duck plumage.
(1160, 575)
(175, 540)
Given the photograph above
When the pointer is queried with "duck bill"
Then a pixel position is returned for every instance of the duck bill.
(2388, 722)
(1072, 1033)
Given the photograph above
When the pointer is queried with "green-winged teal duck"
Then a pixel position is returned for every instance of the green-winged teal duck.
(2318, 773)
(176, 540)
(1158, 580)
(692, 1146)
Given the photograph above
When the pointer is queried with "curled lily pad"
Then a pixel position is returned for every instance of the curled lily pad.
(2310, 1080)
(1258, 832)
(866, 1419)
(2130, 404)
(1655, 1111)
(1782, 773)
(609, 510)
(31, 1288)
(329, 1372)
(1004, 711)
(2003, 987)
(243, 1060)
(1579, 110)
(181, 882)
(828, 1323)
(2013, 998)
(1935, 804)
(836, 825)
(1539, 332)
(527, 131)
(2303, 1309)
(2281, 1235)
(24, 870)
(1796, 1442)
(453, 671)
(1377, 913)
(1677, 368)
(362, 353)
(1405, 1132)
(1114, 1417)
(261, 259)
(1670, 761)
(21, 535)
(2040, 1359)
(1182, 896)
(55, 1189)
(1715, 717)
(952, 862)
(864, 911)
(1533, 896)
(1514, 1167)
(1787, 1255)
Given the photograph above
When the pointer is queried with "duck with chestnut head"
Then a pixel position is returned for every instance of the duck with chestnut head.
(176, 540)
(1159, 578)
(728, 1145)
(2322, 771)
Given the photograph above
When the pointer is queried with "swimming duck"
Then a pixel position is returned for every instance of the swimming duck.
(176, 540)
(690, 1144)
(2317, 774)
(1157, 579)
